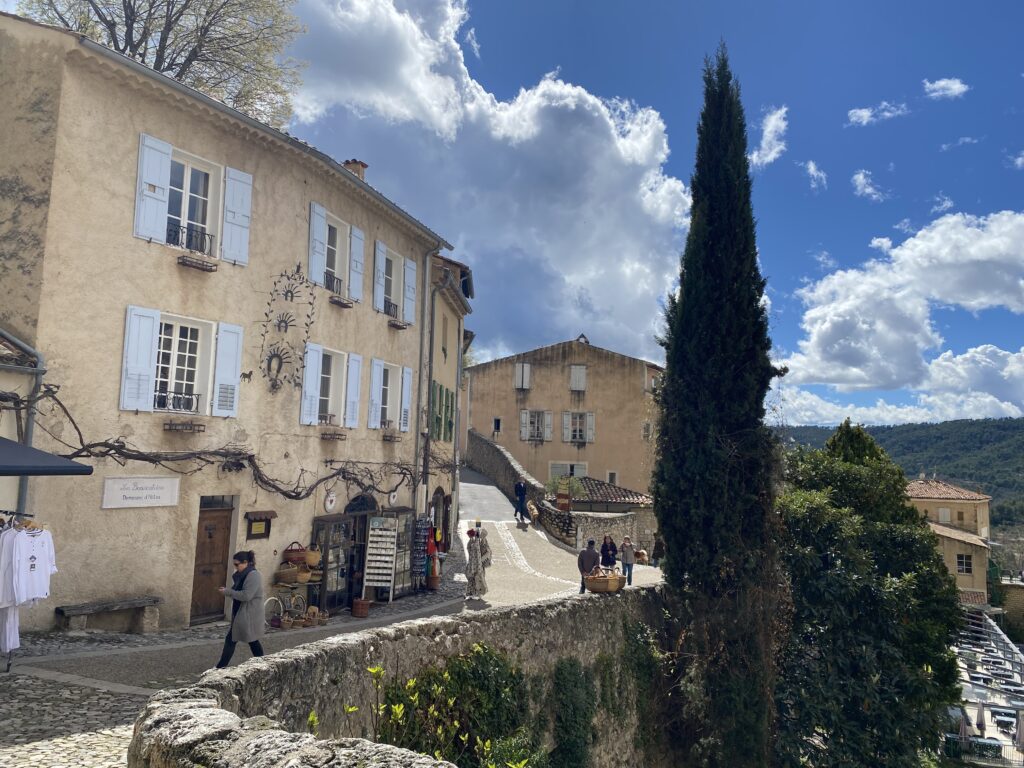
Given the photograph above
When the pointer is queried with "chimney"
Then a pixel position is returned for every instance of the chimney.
(356, 168)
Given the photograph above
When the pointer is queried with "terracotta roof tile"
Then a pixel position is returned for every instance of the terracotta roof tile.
(937, 489)
(949, 532)
(595, 490)
(972, 597)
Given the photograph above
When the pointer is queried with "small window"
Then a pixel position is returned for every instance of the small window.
(332, 388)
(183, 363)
(497, 426)
(578, 378)
(191, 203)
(522, 376)
(558, 469)
(613, 477)
(959, 515)
(964, 565)
(943, 514)
(536, 429)
(578, 427)
(336, 259)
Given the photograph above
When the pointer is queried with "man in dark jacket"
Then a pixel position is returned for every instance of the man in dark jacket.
(520, 490)
(586, 562)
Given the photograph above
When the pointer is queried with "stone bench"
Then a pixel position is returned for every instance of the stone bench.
(145, 615)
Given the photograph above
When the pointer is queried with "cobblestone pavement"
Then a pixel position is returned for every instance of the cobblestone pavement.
(70, 700)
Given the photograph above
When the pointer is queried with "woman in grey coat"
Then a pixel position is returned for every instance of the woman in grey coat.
(246, 592)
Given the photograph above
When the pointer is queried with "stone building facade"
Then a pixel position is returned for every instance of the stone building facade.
(960, 518)
(569, 408)
(197, 281)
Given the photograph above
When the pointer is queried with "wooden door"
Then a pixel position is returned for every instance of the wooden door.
(211, 570)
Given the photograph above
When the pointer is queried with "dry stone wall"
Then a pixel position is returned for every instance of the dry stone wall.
(256, 714)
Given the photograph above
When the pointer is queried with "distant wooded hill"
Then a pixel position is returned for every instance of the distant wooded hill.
(985, 455)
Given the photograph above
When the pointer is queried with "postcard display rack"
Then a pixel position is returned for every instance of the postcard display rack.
(419, 553)
(381, 548)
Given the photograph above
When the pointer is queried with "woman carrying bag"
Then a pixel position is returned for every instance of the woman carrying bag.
(246, 592)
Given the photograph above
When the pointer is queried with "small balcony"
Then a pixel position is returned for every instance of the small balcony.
(336, 286)
(179, 402)
(191, 238)
(391, 310)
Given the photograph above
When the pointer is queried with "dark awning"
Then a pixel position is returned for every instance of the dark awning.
(17, 460)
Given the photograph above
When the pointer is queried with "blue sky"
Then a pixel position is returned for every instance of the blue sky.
(552, 143)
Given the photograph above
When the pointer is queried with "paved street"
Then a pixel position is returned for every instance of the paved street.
(71, 700)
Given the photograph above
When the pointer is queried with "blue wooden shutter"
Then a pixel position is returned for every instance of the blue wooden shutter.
(548, 425)
(227, 370)
(138, 366)
(309, 410)
(317, 243)
(237, 215)
(151, 195)
(590, 427)
(380, 255)
(403, 423)
(355, 264)
(409, 287)
(355, 369)
(566, 426)
(524, 424)
(376, 385)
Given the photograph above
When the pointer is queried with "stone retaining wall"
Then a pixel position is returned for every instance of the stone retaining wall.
(256, 714)
(492, 460)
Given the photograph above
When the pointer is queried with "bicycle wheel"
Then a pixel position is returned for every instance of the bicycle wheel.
(298, 605)
(272, 607)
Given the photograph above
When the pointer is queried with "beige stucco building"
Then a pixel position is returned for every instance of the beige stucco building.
(960, 518)
(196, 281)
(569, 408)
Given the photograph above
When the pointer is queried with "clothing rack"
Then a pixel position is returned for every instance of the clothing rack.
(13, 515)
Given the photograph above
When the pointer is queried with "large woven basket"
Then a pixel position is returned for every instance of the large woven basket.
(606, 582)
(294, 553)
(287, 574)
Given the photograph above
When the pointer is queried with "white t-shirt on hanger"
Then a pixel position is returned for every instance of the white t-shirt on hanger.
(34, 563)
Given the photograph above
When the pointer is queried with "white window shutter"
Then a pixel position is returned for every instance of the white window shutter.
(380, 254)
(526, 375)
(309, 412)
(403, 424)
(524, 425)
(355, 264)
(548, 425)
(227, 370)
(409, 289)
(578, 378)
(138, 366)
(237, 215)
(355, 369)
(317, 243)
(590, 427)
(566, 426)
(151, 194)
(376, 387)
(583, 378)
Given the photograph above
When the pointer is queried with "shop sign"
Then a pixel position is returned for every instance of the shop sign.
(132, 492)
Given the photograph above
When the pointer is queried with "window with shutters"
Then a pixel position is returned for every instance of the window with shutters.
(336, 265)
(392, 285)
(578, 427)
(332, 387)
(964, 564)
(536, 426)
(557, 469)
(522, 377)
(192, 201)
(182, 381)
(943, 514)
(578, 378)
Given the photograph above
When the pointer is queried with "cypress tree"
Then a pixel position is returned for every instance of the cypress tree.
(712, 483)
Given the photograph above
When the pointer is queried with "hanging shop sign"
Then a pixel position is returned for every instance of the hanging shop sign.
(381, 547)
(131, 492)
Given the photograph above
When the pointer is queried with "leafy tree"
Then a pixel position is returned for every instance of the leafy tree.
(712, 483)
(232, 50)
(868, 672)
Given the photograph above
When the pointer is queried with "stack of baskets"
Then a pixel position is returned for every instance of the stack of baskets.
(609, 580)
(289, 573)
(298, 564)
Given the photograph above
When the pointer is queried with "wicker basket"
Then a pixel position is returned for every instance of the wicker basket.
(303, 574)
(608, 581)
(312, 557)
(286, 622)
(294, 553)
(287, 574)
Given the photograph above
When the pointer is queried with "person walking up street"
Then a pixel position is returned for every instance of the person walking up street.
(587, 561)
(246, 593)
(608, 552)
(627, 555)
(520, 491)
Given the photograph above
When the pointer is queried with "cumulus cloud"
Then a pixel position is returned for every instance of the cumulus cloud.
(1018, 162)
(557, 197)
(883, 244)
(942, 203)
(958, 143)
(946, 88)
(824, 259)
(871, 327)
(816, 176)
(864, 186)
(868, 115)
(773, 135)
(904, 225)
(471, 41)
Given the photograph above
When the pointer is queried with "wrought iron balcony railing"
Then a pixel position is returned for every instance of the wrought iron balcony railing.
(190, 238)
(390, 309)
(184, 402)
(334, 284)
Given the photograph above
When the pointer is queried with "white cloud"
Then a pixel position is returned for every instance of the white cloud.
(946, 88)
(1018, 162)
(883, 244)
(864, 186)
(557, 197)
(824, 259)
(871, 327)
(904, 225)
(815, 175)
(472, 42)
(773, 134)
(958, 143)
(868, 115)
(942, 203)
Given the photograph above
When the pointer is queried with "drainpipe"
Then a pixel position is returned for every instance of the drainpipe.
(30, 422)
(424, 321)
(447, 282)
(458, 409)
